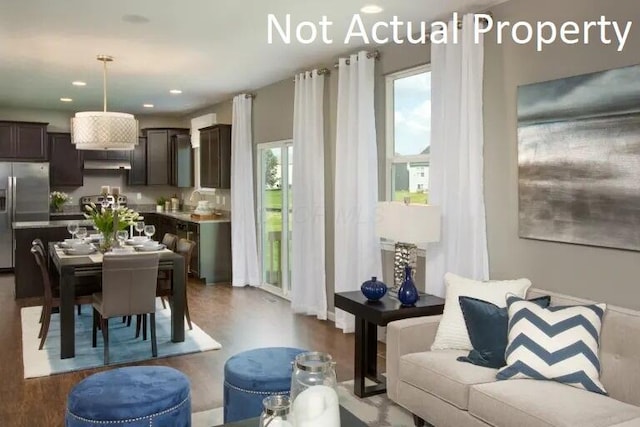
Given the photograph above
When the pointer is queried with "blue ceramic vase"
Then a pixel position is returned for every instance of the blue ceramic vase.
(408, 293)
(373, 289)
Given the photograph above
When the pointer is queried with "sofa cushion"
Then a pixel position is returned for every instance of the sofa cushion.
(488, 327)
(440, 374)
(452, 332)
(555, 343)
(529, 403)
(619, 344)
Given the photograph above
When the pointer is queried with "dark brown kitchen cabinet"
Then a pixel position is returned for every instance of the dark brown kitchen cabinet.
(215, 156)
(181, 161)
(66, 163)
(23, 141)
(106, 155)
(159, 152)
(138, 173)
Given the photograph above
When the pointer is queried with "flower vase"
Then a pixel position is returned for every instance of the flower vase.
(408, 293)
(106, 242)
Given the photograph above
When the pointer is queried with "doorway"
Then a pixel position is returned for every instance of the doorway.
(275, 194)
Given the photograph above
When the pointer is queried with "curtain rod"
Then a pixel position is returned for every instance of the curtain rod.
(246, 96)
(321, 71)
(374, 54)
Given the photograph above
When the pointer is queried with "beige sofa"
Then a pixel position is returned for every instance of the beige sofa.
(444, 392)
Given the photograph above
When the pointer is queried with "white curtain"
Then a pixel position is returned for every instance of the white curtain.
(308, 276)
(456, 167)
(244, 252)
(357, 248)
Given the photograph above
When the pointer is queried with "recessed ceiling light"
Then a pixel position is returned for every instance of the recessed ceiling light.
(175, 91)
(371, 8)
(66, 99)
(147, 105)
(78, 83)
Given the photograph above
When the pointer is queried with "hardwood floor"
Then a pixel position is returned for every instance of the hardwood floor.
(239, 318)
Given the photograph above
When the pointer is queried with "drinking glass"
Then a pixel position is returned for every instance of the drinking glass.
(149, 231)
(72, 228)
(140, 227)
(122, 235)
(81, 233)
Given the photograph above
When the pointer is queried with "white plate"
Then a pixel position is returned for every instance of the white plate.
(123, 250)
(80, 250)
(136, 241)
(69, 243)
(150, 248)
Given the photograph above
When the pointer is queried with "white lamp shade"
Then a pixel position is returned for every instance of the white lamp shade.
(104, 130)
(412, 223)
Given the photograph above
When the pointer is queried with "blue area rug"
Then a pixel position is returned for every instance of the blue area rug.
(123, 346)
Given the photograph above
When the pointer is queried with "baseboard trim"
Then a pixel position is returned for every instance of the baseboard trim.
(331, 316)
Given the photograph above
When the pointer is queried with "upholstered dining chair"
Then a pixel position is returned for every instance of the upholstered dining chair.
(84, 286)
(170, 241)
(185, 248)
(50, 300)
(128, 288)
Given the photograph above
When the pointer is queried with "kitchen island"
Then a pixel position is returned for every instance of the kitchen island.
(28, 281)
(211, 259)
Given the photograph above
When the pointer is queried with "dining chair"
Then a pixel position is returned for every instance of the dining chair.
(50, 301)
(185, 248)
(170, 241)
(128, 288)
(84, 286)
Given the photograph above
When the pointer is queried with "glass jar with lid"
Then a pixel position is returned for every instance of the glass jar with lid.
(314, 396)
(276, 412)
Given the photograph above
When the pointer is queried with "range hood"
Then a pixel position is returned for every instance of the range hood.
(107, 165)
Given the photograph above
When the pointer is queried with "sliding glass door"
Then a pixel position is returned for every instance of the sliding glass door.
(275, 214)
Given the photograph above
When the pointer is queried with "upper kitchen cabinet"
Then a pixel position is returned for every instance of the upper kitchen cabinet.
(23, 141)
(66, 163)
(138, 173)
(106, 155)
(215, 156)
(181, 161)
(159, 154)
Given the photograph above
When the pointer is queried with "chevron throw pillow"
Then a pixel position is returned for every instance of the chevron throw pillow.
(554, 343)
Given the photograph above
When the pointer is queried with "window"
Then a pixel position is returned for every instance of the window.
(408, 134)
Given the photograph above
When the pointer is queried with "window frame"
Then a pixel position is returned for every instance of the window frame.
(390, 158)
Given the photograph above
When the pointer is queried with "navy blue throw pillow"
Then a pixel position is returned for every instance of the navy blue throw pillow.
(488, 325)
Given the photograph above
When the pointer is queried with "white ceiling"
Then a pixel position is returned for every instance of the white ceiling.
(210, 49)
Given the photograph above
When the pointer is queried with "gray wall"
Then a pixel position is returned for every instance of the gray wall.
(600, 274)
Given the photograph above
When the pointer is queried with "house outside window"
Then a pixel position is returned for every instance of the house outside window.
(408, 136)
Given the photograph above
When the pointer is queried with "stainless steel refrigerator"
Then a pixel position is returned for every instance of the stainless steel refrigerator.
(24, 196)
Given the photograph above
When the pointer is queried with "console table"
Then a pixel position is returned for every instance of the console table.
(369, 315)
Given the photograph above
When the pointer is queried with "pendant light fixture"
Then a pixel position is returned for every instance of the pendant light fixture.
(104, 130)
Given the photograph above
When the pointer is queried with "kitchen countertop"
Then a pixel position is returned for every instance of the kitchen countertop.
(50, 224)
(186, 216)
(182, 216)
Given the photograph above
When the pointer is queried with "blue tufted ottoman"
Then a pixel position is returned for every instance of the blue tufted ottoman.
(131, 397)
(251, 376)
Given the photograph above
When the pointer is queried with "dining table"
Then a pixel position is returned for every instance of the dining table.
(70, 267)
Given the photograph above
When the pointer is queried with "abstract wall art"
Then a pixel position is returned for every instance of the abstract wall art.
(579, 159)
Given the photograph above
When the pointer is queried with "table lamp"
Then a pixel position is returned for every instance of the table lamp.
(409, 225)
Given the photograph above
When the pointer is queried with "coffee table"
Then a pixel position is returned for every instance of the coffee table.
(347, 419)
(369, 315)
